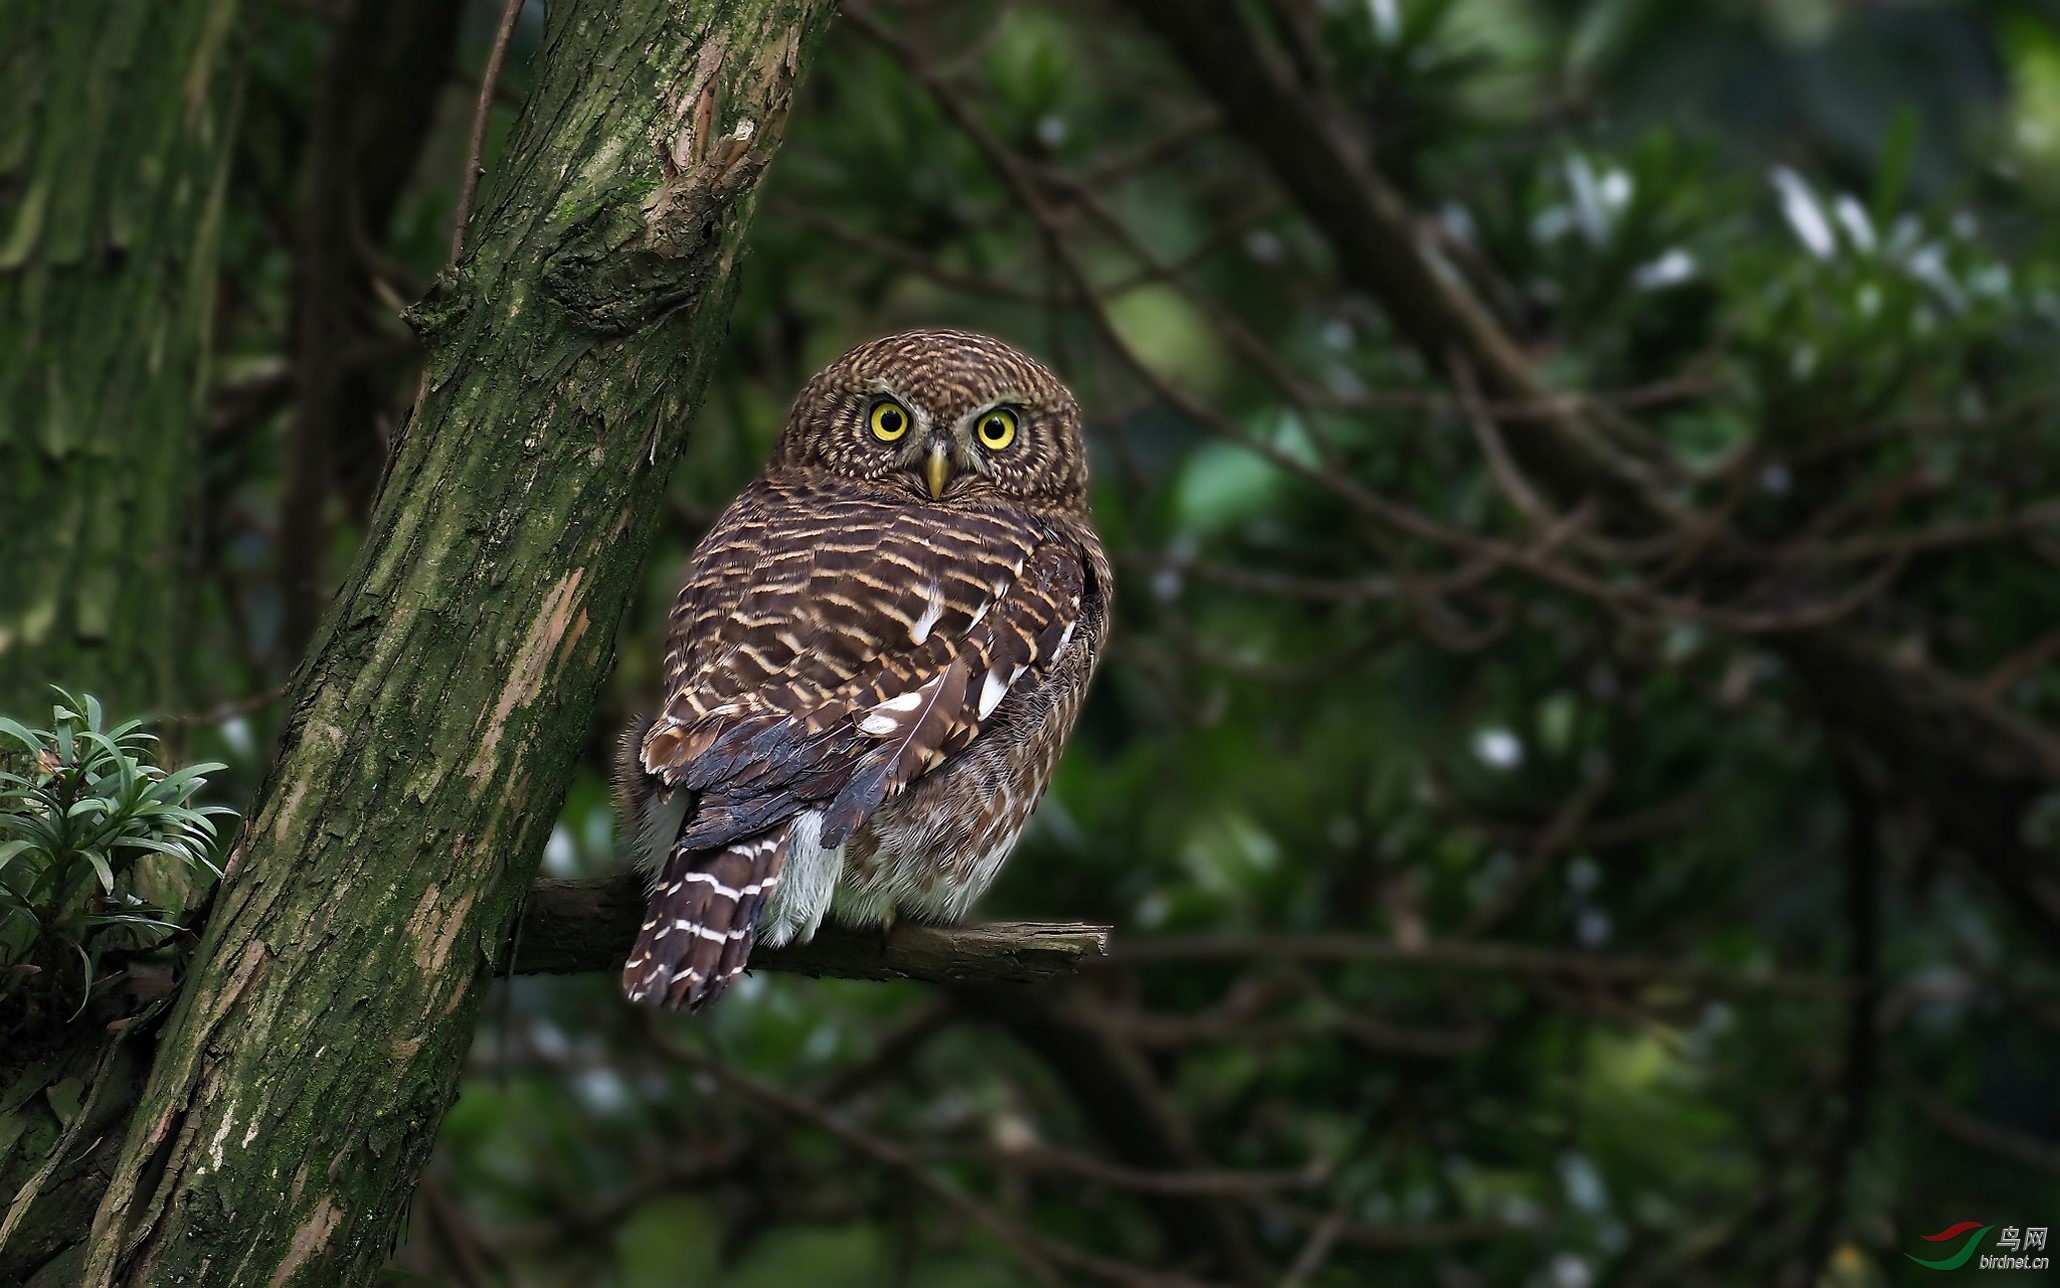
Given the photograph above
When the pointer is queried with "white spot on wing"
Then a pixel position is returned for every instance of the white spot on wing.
(992, 691)
(932, 610)
(885, 719)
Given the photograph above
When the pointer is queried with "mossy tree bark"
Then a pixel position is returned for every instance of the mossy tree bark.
(115, 133)
(114, 145)
(299, 1082)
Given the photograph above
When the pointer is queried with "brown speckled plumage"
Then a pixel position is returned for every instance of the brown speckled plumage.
(867, 686)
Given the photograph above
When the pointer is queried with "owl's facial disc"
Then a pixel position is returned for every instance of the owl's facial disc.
(941, 416)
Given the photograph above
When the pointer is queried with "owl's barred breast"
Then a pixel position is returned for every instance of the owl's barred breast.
(802, 584)
(868, 679)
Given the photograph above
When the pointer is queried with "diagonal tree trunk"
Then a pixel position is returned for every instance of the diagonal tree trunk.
(298, 1085)
(114, 147)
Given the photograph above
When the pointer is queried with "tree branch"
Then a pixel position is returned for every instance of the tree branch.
(1034, 1248)
(572, 926)
(389, 849)
(1571, 447)
(1118, 1094)
(475, 156)
(1977, 766)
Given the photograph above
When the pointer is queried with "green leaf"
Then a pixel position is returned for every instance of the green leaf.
(34, 827)
(11, 1128)
(8, 849)
(64, 1099)
(21, 734)
(187, 780)
(173, 848)
(86, 978)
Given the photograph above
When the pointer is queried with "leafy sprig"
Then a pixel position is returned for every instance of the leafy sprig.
(94, 834)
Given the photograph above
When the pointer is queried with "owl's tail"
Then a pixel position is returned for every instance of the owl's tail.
(703, 920)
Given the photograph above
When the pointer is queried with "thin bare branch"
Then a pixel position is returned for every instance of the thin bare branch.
(1972, 1130)
(1034, 1247)
(489, 81)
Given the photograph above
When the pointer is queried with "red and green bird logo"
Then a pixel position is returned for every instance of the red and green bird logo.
(1966, 1251)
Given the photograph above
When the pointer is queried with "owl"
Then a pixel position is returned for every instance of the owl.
(875, 659)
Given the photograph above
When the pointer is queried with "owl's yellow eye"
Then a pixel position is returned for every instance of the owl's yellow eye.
(889, 420)
(997, 429)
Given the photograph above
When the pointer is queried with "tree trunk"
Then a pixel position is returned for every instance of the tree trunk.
(114, 145)
(317, 1042)
(115, 133)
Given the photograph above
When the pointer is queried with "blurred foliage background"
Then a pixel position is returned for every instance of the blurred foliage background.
(1498, 901)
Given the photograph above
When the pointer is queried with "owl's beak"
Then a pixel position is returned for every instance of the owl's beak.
(937, 470)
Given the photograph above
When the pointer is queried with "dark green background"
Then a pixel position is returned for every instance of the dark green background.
(1808, 246)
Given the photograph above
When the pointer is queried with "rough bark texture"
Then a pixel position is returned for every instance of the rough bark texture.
(74, 1093)
(315, 1046)
(114, 144)
(571, 926)
(115, 131)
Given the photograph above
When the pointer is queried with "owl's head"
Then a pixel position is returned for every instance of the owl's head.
(944, 414)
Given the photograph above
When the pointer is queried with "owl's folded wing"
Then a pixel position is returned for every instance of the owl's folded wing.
(845, 732)
(919, 719)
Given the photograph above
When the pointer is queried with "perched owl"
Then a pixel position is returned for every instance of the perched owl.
(876, 657)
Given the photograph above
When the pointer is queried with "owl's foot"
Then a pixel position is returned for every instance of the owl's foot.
(886, 931)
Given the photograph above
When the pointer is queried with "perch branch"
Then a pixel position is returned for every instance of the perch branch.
(572, 926)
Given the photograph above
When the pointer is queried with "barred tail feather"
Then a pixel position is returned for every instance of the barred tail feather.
(703, 920)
